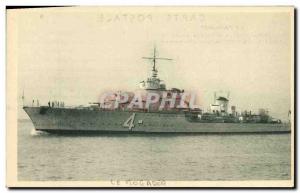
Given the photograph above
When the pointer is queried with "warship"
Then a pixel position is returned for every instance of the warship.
(152, 109)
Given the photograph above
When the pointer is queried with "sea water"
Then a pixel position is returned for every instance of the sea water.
(43, 156)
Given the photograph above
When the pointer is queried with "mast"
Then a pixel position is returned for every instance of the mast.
(154, 58)
(153, 82)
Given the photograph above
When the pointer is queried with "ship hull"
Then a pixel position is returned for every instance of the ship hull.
(88, 121)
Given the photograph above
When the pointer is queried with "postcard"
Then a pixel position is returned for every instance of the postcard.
(150, 97)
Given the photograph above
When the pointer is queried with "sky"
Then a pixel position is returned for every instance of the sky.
(74, 54)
